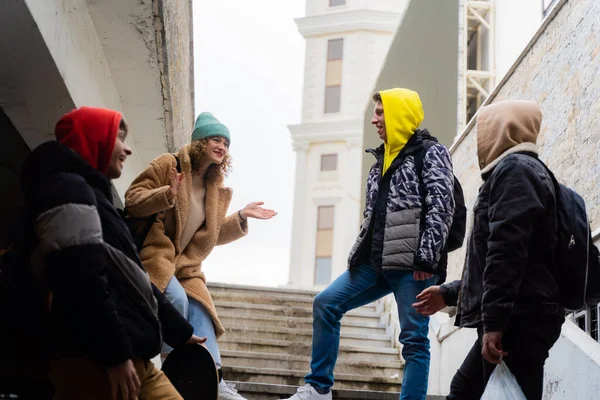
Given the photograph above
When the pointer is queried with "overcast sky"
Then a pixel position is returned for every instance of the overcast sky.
(249, 60)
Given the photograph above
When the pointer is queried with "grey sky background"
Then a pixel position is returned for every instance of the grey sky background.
(249, 61)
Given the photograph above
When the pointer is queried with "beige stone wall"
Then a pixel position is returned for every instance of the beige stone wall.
(561, 71)
(174, 33)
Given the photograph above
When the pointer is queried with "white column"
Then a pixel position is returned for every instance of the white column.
(299, 213)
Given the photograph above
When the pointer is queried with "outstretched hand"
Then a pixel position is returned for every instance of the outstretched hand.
(431, 301)
(254, 210)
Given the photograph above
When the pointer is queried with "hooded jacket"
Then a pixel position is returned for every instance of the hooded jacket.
(103, 305)
(391, 235)
(400, 124)
(508, 270)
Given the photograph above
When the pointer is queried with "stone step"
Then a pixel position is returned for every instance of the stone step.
(250, 309)
(260, 291)
(305, 336)
(265, 391)
(293, 377)
(277, 299)
(346, 353)
(302, 363)
(231, 319)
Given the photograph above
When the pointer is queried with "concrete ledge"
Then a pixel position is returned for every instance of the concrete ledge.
(266, 389)
(300, 374)
(217, 285)
(297, 320)
(308, 333)
(267, 307)
(289, 343)
(291, 357)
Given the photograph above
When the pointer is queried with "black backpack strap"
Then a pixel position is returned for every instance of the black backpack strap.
(140, 230)
(419, 159)
(178, 164)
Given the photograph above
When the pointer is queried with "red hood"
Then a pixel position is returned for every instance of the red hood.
(91, 132)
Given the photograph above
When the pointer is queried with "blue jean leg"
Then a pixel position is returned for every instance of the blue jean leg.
(413, 334)
(196, 315)
(175, 293)
(204, 326)
(354, 288)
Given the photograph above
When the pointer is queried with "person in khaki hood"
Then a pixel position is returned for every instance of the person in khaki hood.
(396, 251)
(191, 221)
(507, 291)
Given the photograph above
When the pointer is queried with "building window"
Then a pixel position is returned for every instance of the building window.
(547, 6)
(324, 249)
(479, 57)
(579, 318)
(333, 3)
(329, 162)
(323, 271)
(335, 50)
(332, 99)
(587, 320)
(333, 80)
(594, 322)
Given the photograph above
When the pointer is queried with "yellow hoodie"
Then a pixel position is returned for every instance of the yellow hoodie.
(402, 113)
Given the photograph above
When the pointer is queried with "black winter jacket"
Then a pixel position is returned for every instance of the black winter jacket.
(104, 305)
(509, 265)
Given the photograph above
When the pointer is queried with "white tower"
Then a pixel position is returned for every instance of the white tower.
(346, 44)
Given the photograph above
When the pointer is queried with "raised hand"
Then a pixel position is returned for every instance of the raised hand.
(430, 301)
(176, 179)
(254, 210)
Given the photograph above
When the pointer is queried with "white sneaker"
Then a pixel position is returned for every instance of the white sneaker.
(227, 392)
(307, 392)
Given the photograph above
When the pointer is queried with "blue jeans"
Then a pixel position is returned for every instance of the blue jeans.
(196, 315)
(357, 287)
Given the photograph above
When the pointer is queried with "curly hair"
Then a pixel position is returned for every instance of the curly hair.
(215, 172)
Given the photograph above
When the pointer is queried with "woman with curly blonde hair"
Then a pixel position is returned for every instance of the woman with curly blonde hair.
(191, 208)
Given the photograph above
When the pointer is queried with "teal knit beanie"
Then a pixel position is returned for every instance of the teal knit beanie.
(208, 126)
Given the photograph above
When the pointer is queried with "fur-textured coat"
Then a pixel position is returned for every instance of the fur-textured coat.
(162, 254)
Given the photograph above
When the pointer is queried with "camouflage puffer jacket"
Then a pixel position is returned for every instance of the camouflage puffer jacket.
(392, 235)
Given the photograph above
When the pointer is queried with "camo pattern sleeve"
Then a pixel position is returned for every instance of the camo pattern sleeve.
(438, 179)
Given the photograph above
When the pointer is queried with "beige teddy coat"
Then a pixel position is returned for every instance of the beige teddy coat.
(162, 255)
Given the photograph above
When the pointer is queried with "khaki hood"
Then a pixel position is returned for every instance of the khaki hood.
(504, 128)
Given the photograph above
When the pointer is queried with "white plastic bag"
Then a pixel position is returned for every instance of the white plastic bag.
(503, 385)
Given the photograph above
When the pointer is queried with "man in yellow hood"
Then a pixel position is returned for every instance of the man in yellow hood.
(401, 247)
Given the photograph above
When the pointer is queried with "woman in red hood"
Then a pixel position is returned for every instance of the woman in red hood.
(107, 319)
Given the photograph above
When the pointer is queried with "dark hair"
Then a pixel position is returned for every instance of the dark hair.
(123, 125)
(376, 97)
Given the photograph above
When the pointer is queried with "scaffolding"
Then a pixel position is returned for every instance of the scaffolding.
(479, 55)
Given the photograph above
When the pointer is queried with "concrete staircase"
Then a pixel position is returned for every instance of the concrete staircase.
(266, 349)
